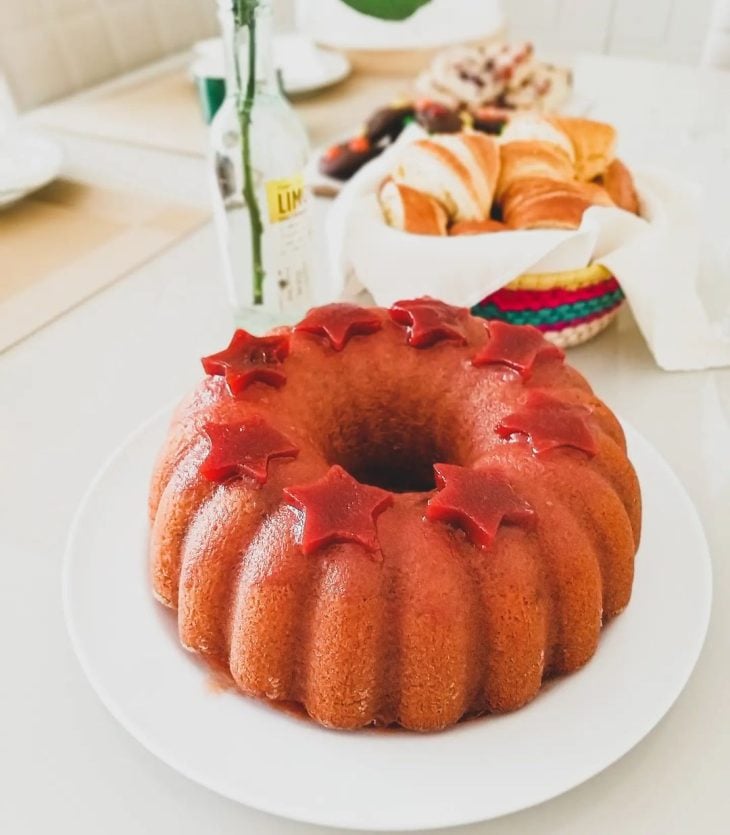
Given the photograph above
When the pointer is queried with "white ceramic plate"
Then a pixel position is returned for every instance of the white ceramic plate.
(579, 725)
(28, 162)
(305, 67)
(7, 198)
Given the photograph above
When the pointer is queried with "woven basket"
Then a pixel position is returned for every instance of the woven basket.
(568, 307)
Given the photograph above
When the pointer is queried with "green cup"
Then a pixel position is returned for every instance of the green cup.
(211, 93)
(208, 73)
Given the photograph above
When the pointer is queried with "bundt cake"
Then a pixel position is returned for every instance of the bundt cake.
(398, 517)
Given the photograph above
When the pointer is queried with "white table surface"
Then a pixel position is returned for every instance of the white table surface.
(73, 391)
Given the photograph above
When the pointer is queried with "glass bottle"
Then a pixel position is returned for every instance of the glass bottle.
(263, 210)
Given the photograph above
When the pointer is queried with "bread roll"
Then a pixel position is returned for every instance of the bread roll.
(412, 211)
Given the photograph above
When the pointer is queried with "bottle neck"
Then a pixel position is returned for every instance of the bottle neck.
(238, 42)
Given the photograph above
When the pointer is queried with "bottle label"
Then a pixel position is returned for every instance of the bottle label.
(285, 197)
(288, 245)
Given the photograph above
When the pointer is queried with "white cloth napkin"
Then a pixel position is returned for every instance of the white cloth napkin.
(656, 259)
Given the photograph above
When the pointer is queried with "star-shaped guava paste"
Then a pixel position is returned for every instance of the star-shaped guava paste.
(516, 346)
(477, 501)
(244, 449)
(429, 321)
(250, 359)
(338, 509)
(550, 424)
(340, 322)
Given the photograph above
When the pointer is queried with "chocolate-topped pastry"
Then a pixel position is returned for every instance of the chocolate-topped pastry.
(490, 119)
(343, 160)
(388, 122)
(438, 118)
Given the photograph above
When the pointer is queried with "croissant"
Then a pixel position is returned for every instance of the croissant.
(524, 127)
(619, 184)
(594, 144)
(478, 227)
(527, 159)
(412, 211)
(541, 203)
(460, 171)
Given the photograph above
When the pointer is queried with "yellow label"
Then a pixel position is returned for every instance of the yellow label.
(284, 197)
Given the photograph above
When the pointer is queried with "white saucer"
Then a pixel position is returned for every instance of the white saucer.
(28, 162)
(579, 725)
(7, 198)
(305, 67)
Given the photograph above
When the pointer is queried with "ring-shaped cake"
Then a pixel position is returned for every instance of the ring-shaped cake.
(397, 517)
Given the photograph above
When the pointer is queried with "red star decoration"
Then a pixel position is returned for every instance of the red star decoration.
(517, 346)
(550, 424)
(478, 501)
(250, 359)
(429, 321)
(337, 508)
(340, 322)
(244, 449)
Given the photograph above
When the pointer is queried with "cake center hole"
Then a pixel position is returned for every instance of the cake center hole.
(390, 453)
(398, 472)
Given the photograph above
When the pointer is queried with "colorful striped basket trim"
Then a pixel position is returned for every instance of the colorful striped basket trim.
(564, 313)
(576, 335)
(569, 280)
(560, 325)
(507, 299)
(585, 320)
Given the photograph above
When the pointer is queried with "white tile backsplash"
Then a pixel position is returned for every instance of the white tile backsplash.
(721, 16)
(717, 46)
(586, 23)
(647, 20)
(672, 30)
(539, 13)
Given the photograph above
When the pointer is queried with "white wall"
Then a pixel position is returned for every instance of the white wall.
(673, 30)
(717, 48)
